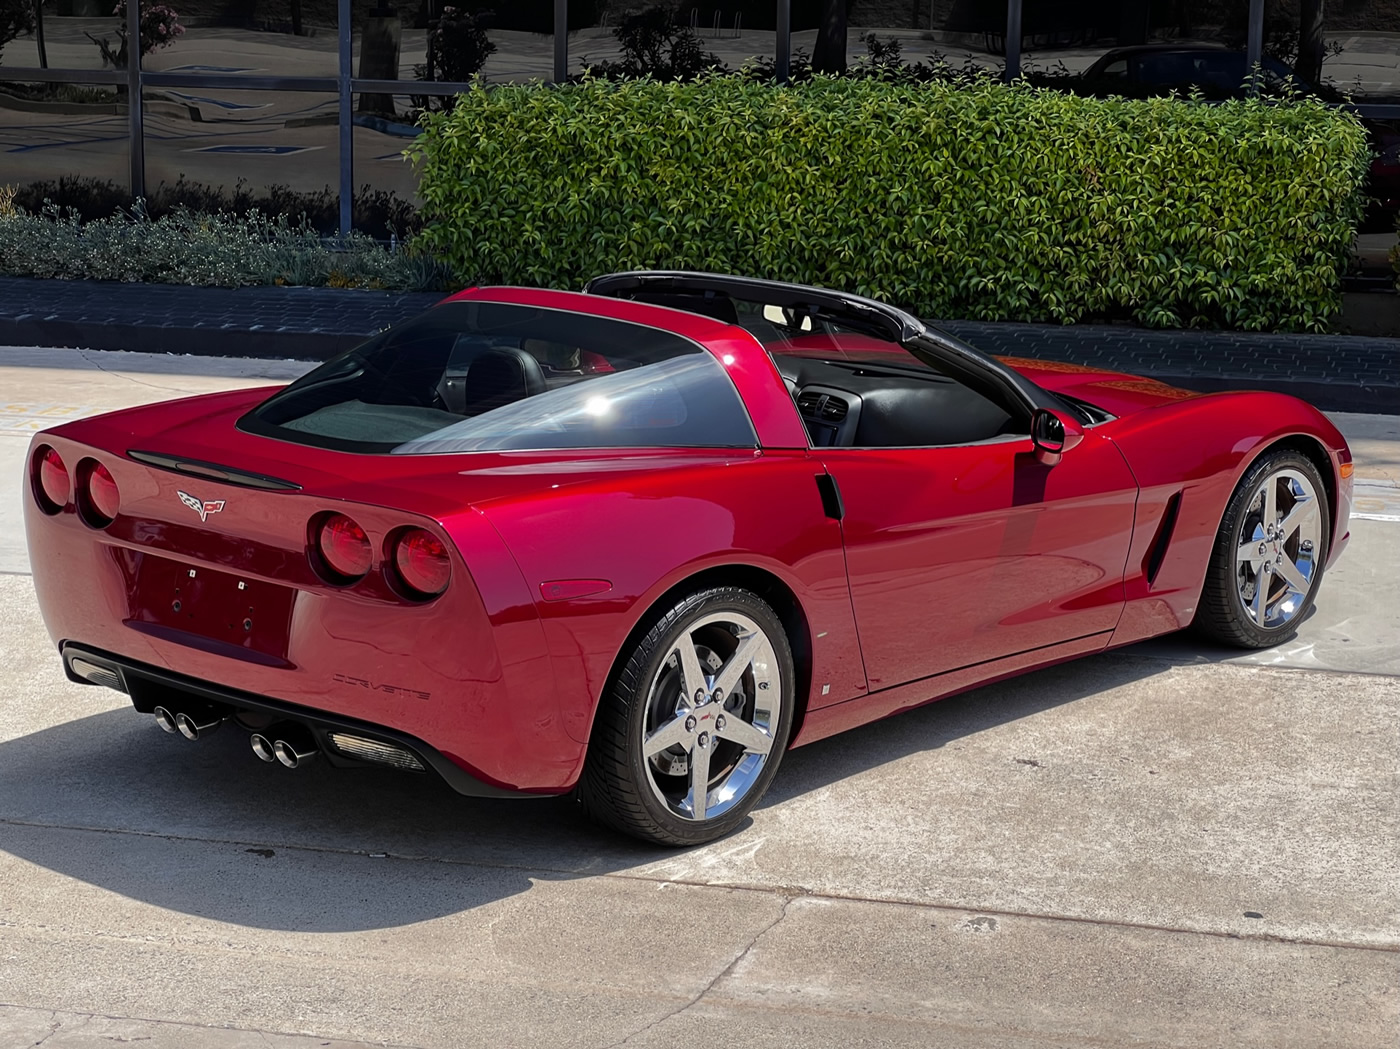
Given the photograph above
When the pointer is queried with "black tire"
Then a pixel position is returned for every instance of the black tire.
(1246, 552)
(654, 797)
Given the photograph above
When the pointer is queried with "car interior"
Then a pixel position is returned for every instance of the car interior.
(852, 389)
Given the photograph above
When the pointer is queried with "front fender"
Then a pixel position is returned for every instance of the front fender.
(1196, 451)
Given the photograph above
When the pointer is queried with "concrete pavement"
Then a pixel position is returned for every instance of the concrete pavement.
(1163, 846)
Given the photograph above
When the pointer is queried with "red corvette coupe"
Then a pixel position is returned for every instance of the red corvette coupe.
(635, 543)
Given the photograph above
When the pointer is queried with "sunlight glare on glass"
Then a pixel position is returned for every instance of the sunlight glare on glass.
(597, 406)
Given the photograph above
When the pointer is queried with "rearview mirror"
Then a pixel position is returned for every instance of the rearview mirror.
(1053, 433)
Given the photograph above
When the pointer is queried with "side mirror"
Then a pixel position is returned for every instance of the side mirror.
(1053, 433)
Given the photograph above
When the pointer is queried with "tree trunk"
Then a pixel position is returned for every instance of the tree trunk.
(829, 54)
(296, 17)
(1310, 42)
(380, 42)
(39, 34)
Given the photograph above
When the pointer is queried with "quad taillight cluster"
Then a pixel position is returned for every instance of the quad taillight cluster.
(95, 493)
(415, 560)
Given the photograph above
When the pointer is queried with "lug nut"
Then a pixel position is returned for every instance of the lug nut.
(699, 697)
(690, 723)
(719, 723)
(704, 739)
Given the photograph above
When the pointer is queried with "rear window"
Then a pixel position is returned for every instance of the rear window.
(483, 376)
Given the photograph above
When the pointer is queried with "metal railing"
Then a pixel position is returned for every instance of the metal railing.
(345, 85)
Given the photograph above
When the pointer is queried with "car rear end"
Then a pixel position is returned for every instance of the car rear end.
(322, 611)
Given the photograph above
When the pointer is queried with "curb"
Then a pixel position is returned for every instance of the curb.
(1334, 372)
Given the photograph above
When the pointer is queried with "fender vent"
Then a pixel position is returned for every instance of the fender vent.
(1157, 552)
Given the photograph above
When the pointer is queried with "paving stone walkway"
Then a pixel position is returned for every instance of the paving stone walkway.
(1336, 372)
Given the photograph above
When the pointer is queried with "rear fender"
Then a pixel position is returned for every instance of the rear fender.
(644, 542)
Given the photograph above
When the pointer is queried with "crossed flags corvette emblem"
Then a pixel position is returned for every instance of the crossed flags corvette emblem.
(200, 506)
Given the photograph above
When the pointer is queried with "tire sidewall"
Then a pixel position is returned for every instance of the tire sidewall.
(644, 665)
(1224, 566)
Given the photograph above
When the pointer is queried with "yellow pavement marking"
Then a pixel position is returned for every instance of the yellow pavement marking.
(22, 417)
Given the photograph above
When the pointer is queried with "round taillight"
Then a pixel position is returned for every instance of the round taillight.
(98, 498)
(52, 486)
(421, 563)
(344, 548)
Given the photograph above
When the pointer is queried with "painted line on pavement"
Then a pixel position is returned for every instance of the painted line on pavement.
(27, 417)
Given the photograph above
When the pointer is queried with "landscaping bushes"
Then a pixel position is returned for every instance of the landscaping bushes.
(219, 250)
(956, 200)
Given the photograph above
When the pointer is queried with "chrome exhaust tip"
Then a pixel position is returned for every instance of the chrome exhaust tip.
(196, 726)
(286, 743)
(293, 755)
(192, 723)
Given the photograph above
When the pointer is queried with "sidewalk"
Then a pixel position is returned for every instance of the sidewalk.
(1334, 372)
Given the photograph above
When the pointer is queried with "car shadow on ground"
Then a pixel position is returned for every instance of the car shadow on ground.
(208, 830)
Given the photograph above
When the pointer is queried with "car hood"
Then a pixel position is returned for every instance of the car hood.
(1114, 392)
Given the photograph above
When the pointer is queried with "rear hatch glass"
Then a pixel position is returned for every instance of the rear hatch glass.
(477, 376)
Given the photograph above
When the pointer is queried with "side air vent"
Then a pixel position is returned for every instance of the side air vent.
(822, 406)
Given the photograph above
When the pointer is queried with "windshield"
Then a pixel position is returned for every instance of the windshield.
(476, 376)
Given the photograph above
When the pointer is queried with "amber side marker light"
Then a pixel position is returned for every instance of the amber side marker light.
(341, 551)
(98, 496)
(1346, 470)
(421, 565)
(52, 485)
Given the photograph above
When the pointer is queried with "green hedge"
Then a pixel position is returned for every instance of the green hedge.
(976, 200)
(218, 250)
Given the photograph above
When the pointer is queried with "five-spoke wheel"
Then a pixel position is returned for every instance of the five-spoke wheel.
(1269, 553)
(696, 723)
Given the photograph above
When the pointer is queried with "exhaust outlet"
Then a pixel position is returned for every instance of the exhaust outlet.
(286, 743)
(198, 725)
(192, 723)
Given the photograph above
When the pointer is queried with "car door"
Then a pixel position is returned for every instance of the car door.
(963, 554)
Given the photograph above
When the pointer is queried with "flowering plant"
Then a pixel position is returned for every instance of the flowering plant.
(160, 25)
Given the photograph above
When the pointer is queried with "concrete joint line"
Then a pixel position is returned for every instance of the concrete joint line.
(788, 894)
(87, 1018)
(727, 970)
(1109, 923)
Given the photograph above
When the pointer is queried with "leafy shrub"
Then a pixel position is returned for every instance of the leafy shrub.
(219, 250)
(655, 45)
(377, 213)
(16, 19)
(457, 49)
(980, 200)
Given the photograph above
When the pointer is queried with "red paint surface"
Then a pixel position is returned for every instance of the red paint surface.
(965, 563)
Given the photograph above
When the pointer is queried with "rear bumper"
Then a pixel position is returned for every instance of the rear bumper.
(148, 685)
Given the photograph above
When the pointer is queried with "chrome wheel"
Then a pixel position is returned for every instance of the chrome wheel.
(1279, 541)
(713, 712)
(695, 722)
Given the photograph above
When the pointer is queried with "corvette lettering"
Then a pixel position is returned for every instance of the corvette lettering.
(391, 690)
(203, 507)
